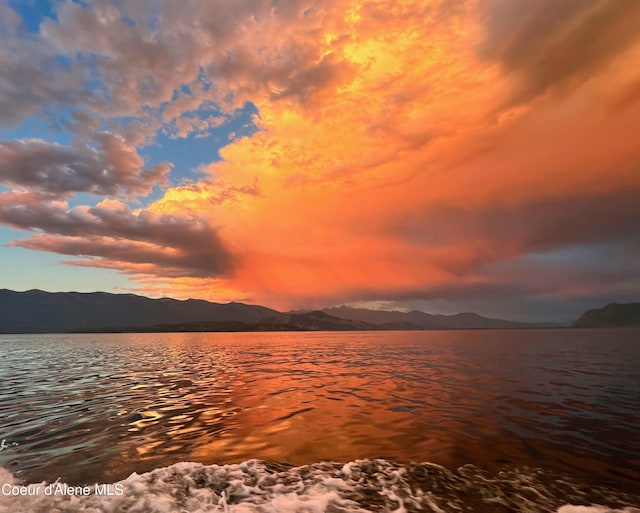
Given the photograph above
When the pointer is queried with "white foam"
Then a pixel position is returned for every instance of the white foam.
(186, 487)
(363, 486)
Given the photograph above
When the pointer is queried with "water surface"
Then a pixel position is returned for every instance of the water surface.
(94, 408)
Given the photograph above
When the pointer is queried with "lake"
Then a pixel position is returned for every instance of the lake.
(523, 420)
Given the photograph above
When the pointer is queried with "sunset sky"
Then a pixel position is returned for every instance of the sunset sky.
(447, 156)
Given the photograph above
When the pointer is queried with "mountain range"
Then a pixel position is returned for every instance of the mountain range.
(300, 321)
(426, 321)
(36, 311)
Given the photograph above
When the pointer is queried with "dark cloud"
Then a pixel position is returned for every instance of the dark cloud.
(536, 225)
(525, 287)
(548, 43)
(560, 250)
(175, 245)
(131, 257)
(301, 84)
(113, 167)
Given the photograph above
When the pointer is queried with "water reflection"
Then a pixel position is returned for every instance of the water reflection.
(96, 408)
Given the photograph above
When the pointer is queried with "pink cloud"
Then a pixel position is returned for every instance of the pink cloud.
(173, 244)
(112, 168)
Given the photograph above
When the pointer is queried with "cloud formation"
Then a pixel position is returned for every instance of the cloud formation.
(549, 44)
(111, 168)
(404, 150)
(172, 245)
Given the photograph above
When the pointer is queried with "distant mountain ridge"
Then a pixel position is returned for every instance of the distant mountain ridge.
(301, 321)
(426, 321)
(614, 315)
(36, 311)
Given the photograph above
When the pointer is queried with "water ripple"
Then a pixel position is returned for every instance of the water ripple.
(97, 407)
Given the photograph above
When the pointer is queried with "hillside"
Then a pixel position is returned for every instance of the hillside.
(614, 315)
(36, 311)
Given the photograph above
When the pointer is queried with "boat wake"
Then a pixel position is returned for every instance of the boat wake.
(357, 487)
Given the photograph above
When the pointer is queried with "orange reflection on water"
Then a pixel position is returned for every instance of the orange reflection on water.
(488, 398)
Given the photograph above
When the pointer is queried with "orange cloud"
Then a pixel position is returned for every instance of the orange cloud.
(413, 131)
(403, 148)
(358, 185)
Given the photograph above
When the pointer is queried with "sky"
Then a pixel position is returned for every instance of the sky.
(445, 155)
